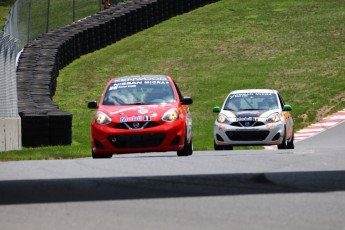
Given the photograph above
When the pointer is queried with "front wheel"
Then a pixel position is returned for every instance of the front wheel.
(284, 143)
(187, 149)
(291, 144)
(222, 147)
(217, 147)
(100, 156)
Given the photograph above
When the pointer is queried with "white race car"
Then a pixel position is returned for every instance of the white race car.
(253, 117)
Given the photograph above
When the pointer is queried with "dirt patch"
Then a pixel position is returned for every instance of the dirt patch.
(326, 110)
(323, 111)
(339, 98)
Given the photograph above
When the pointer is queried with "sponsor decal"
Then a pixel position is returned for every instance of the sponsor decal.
(244, 119)
(123, 119)
(133, 118)
(247, 119)
(249, 113)
(137, 118)
(133, 82)
(140, 78)
(249, 94)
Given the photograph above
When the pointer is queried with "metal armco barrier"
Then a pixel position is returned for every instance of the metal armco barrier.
(39, 64)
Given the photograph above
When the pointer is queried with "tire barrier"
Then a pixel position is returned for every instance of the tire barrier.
(43, 123)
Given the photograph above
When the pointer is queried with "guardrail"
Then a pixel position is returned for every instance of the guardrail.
(39, 64)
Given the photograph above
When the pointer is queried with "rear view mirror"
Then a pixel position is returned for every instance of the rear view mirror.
(287, 108)
(216, 109)
(187, 101)
(92, 105)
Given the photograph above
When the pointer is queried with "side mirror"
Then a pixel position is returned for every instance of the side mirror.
(187, 101)
(287, 108)
(92, 105)
(216, 109)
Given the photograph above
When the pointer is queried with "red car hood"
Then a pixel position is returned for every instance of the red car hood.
(137, 113)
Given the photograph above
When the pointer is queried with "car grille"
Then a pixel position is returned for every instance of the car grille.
(137, 140)
(247, 135)
(136, 125)
(247, 123)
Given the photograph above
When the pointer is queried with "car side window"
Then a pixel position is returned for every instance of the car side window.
(179, 92)
(282, 103)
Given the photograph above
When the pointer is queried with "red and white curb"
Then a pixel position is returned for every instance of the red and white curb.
(324, 124)
(321, 126)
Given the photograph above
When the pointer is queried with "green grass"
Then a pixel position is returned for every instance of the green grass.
(58, 13)
(294, 46)
(5, 7)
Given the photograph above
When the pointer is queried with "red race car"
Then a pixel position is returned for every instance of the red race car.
(141, 114)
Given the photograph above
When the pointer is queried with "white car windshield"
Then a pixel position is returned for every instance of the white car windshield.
(139, 92)
(251, 101)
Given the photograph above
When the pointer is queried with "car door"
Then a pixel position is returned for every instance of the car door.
(288, 119)
(186, 112)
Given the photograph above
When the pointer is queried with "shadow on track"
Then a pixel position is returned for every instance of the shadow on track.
(124, 188)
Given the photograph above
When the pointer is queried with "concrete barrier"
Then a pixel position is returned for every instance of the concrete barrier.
(10, 134)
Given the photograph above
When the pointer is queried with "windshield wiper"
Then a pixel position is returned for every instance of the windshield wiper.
(137, 103)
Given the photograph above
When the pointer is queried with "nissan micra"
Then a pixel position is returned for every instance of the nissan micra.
(139, 114)
(253, 117)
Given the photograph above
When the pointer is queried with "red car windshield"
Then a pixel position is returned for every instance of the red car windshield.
(138, 91)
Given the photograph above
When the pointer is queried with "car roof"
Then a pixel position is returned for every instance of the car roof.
(254, 91)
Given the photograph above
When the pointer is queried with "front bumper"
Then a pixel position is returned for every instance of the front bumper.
(266, 134)
(168, 136)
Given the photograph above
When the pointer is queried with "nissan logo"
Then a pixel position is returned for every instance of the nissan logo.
(136, 125)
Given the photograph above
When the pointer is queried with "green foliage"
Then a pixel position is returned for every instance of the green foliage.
(5, 7)
(294, 46)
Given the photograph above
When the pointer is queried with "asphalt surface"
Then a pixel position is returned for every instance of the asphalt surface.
(255, 189)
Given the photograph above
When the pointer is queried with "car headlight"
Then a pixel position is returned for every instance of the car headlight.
(274, 117)
(171, 115)
(102, 118)
(222, 118)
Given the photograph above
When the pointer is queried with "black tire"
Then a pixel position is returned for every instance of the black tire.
(100, 156)
(222, 147)
(217, 147)
(284, 143)
(291, 144)
(187, 149)
(228, 147)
